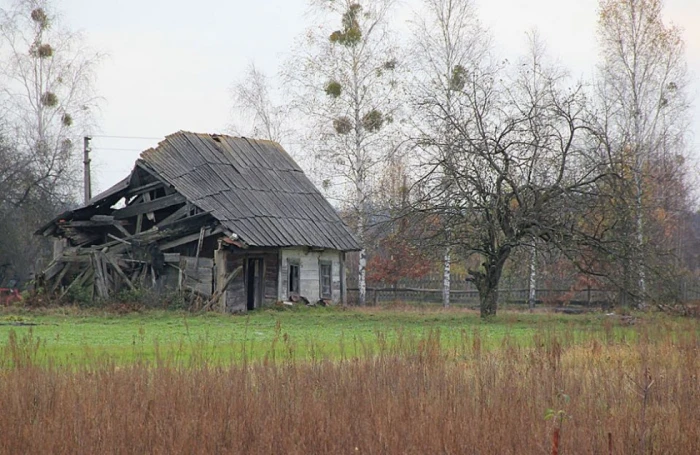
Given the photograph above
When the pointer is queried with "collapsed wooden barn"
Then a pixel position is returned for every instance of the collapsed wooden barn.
(232, 220)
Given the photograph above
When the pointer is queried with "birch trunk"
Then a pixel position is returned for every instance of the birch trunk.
(362, 264)
(446, 277)
(361, 283)
(532, 297)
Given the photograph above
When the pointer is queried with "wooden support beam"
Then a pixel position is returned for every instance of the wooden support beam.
(118, 239)
(145, 188)
(122, 229)
(189, 238)
(59, 278)
(78, 281)
(109, 281)
(75, 258)
(199, 248)
(171, 257)
(78, 238)
(119, 271)
(221, 290)
(53, 268)
(176, 215)
(141, 275)
(95, 224)
(102, 218)
(101, 284)
(139, 224)
(85, 224)
(150, 206)
(147, 198)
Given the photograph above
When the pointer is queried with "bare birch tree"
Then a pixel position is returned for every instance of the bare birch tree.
(255, 107)
(47, 92)
(642, 92)
(344, 74)
(448, 41)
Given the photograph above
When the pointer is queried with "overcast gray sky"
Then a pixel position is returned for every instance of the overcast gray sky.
(171, 63)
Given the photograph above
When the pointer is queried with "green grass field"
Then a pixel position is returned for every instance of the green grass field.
(70, 336)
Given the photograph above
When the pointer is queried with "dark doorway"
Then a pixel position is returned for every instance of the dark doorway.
(254, 283)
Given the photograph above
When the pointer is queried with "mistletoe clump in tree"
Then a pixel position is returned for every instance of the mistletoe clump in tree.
(346, 89)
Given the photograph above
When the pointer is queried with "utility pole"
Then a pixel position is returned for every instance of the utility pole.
(87, 185)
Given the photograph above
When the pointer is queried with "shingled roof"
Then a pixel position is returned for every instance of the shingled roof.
(252, 187)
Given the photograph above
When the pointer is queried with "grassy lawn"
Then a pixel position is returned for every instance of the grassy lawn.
(69, 335)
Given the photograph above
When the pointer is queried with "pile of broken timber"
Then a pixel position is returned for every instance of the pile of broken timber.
(132, 261)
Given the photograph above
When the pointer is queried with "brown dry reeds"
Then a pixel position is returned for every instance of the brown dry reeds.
(406, 396)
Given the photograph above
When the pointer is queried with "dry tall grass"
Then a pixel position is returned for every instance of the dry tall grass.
(409, 396)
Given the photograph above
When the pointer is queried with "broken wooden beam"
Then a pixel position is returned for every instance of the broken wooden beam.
(150, 206)
(53, 268)
(145, 188)
(147, 198)
(119, 271)
(76, 282)
(59, 278)
(200, 242)
(122, 229)
(101, 283)
(176, 215)
(190, 238)
(219, 292)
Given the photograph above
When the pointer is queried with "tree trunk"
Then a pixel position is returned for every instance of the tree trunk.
(361, 283)
(488, 302)
(641, 275)
(532, 297)
(446, 279)
(486, 281)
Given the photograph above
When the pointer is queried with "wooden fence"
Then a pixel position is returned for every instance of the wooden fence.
(591, 297)
(689, 291)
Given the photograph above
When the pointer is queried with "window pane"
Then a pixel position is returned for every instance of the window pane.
(294, 278)
(325, 278)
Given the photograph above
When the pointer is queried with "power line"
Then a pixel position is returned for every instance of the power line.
(117, 149)
(129, 137)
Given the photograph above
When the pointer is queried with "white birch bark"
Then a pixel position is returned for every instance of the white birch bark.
(446, 277)
(532, 284)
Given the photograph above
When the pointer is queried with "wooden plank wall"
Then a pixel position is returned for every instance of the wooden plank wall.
(236, 293)
(197, 274)
(309, 272)
(271, 269)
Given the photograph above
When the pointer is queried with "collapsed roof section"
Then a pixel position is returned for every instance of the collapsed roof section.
(250, 190)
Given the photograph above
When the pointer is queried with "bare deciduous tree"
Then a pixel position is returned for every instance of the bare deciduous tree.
(519, 164)
(344, 74)
(47, 103)
(47, 94)
(448, 40)
(253, 103)
(643, 117)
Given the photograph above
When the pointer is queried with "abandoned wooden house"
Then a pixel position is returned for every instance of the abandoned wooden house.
(232, 220)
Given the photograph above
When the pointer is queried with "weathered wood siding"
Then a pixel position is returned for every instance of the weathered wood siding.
(309, 283)
(197, 274)
(270, 272)
(235, 294)
(236, 297)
